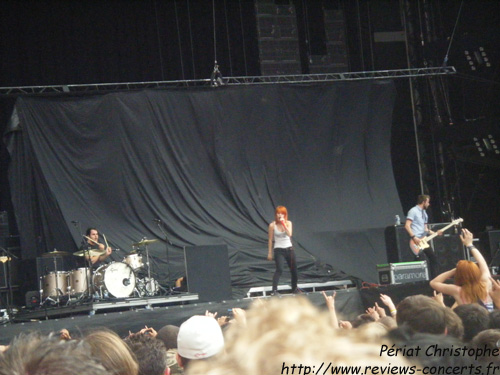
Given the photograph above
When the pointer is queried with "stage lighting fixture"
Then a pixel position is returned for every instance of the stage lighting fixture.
(477, 58)
(216, 78)
(486, 145)
(493, 144)
(479, 148)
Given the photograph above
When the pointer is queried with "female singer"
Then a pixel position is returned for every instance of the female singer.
(280, 233)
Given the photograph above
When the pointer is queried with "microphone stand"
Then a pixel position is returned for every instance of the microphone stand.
(8, 279)
(149, 292)
(84, 246)
(90, 286)
(56, 274)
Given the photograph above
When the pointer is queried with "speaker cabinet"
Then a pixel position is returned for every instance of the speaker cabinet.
(490, 246)
(397, 244)
(448, 248)
(207, 270)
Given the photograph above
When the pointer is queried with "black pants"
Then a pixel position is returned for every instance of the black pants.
(280, 256)
(432, 261)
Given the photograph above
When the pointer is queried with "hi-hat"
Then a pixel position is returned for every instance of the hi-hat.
(55, 253)
(144, 242)
(92, 253)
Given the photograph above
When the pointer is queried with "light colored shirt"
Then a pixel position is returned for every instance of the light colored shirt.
(418, 218)
(281, 239)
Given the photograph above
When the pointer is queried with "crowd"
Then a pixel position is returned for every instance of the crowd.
(288, 335)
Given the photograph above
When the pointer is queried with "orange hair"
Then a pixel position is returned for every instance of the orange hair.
(281, 210)
(468, 276)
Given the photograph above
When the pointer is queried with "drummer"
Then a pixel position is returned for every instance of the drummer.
(92, 243)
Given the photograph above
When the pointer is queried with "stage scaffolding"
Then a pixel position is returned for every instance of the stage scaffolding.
(96, 88)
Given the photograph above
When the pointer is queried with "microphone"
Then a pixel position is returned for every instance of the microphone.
(157, 221)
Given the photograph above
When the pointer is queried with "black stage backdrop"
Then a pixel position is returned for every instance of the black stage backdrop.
(212, 164)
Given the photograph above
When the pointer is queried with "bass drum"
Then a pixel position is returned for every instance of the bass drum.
(116, 278)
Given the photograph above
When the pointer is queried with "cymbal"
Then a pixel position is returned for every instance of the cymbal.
(55, 253)
(144, 242)
(92, 253)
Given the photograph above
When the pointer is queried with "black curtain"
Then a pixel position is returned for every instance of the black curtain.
(211, 164)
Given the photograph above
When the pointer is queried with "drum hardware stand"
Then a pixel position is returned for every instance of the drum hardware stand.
(57, 290)
(137, 292)
(40, 287)
(90, 283)
(149, 281)
(68, 290)
(57, 280)
(89, 292)
(145, 286)
(166, 291)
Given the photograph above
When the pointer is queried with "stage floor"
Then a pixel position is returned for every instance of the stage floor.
(123, 317)
(133, 314)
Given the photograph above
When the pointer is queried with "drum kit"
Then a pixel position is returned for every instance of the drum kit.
(122, 279)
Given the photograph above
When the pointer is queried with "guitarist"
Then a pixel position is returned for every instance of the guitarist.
(416, 226)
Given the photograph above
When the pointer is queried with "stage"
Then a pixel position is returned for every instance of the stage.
(133, 314)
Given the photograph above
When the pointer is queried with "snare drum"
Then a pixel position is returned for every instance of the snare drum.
(134, 261)
(116, 278)
(54, 284)
(78, 280)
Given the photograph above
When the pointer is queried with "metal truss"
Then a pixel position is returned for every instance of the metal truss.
(97, 88)
(331, 77)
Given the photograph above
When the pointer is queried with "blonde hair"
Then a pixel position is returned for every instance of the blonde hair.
(288, 331)
(373, 332)
(112, 352)
(36, 354)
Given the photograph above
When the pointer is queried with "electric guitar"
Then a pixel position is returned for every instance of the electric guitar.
(424, 241)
